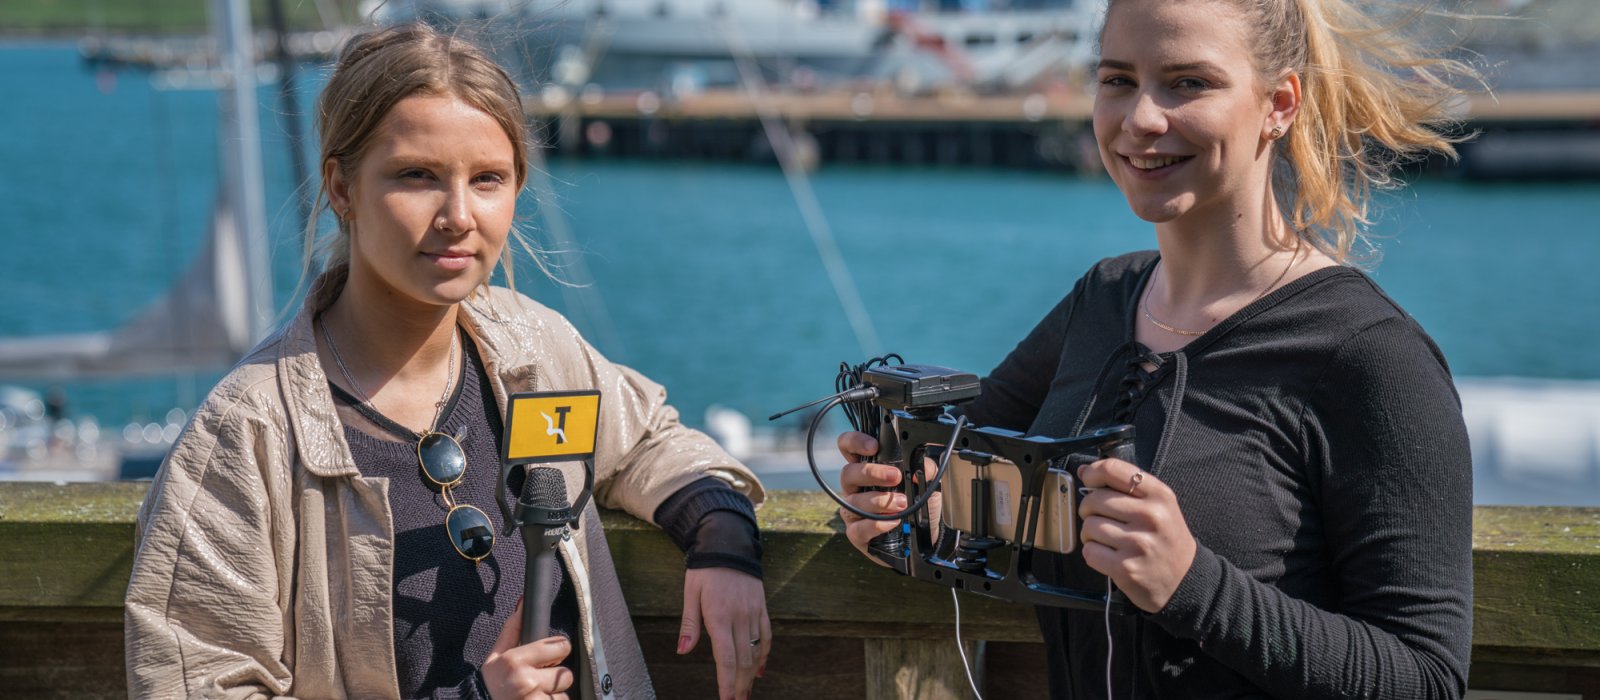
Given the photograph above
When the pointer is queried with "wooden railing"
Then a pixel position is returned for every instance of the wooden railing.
(843, 628)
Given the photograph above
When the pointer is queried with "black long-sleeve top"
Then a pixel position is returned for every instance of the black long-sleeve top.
(1315, 443)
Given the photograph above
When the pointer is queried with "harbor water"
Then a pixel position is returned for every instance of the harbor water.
(704, 276)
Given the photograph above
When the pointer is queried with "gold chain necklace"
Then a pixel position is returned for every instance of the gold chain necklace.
(1144, 302)
(1144, 306)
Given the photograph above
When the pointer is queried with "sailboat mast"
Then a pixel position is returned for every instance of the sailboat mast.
(241, 156)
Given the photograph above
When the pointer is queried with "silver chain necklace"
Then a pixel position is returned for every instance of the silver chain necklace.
(449, 377)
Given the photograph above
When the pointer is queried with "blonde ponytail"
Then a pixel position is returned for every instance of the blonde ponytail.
(1372, 99)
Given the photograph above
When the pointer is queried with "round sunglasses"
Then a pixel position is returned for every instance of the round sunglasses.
(444, 463)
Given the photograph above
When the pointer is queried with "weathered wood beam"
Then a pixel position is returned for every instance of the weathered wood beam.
(68, 548)
(853, 627)
(1536, 582)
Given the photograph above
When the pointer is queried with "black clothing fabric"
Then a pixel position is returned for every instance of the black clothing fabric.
(1316, 446)
(449, 612)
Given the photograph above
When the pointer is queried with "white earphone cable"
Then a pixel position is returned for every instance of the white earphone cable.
(1110, 645)
(965, 665)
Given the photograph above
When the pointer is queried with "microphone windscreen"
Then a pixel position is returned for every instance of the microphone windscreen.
(544, 488)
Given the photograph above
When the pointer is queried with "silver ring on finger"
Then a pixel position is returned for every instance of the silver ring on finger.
(755, 642)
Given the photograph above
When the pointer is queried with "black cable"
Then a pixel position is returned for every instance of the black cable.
(816, 473)
(862, 416)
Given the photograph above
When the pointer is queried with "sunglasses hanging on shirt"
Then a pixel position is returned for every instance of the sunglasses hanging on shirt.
(439, 455)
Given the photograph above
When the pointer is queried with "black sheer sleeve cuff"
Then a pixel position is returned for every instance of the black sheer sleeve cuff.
(725, 539)
(714, 526)
(680, 514)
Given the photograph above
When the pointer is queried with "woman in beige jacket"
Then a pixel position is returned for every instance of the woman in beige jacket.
(295, 542)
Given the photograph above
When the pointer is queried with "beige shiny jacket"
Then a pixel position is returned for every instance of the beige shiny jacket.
(264, 558)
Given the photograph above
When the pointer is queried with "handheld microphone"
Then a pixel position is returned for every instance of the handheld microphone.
(544, 513)
(559, 426)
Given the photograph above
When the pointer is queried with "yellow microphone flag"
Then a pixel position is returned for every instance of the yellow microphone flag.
(551, 426)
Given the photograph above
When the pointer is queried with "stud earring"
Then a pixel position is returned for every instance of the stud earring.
(1277, 133)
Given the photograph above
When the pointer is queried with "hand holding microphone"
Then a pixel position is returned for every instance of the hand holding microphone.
(541, 428)
(526, 660)
(526, 671)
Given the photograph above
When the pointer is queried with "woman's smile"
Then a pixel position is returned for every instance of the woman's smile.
(1154, 166)
(1179, 111)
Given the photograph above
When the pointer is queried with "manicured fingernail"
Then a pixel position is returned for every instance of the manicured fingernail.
(761, 672)
(683, 644)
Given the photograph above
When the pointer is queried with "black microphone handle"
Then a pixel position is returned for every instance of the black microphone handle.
(543, 491)
(538, 595)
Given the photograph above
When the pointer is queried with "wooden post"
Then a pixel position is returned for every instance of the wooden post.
(920, 669)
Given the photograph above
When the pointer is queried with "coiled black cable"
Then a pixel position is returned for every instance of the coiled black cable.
(856, 397)
(816, 473)
(861, 414)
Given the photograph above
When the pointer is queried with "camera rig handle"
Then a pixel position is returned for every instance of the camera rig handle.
(912, 401)
(906, 406)
(960, 559)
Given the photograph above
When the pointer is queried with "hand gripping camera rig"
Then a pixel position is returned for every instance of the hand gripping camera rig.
(1006, 495)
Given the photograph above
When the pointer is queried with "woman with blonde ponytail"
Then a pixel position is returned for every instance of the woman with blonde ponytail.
(1298, 520)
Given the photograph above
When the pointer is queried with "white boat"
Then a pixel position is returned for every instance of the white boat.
(1534, 441)
(655, 44)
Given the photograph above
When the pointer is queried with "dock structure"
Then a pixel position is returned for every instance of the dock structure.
(869, 126)
(842, 626)
(1519, 133)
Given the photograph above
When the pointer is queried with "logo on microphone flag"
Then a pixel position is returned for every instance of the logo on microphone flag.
(551, 426)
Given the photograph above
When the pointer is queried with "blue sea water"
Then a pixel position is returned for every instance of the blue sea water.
(707, 273)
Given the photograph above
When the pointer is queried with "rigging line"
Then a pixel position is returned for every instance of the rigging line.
(241, 157)
(598, 30)
(581, 296)
(330, 16)
(186, 384)
(800, 187)
(289, 104)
